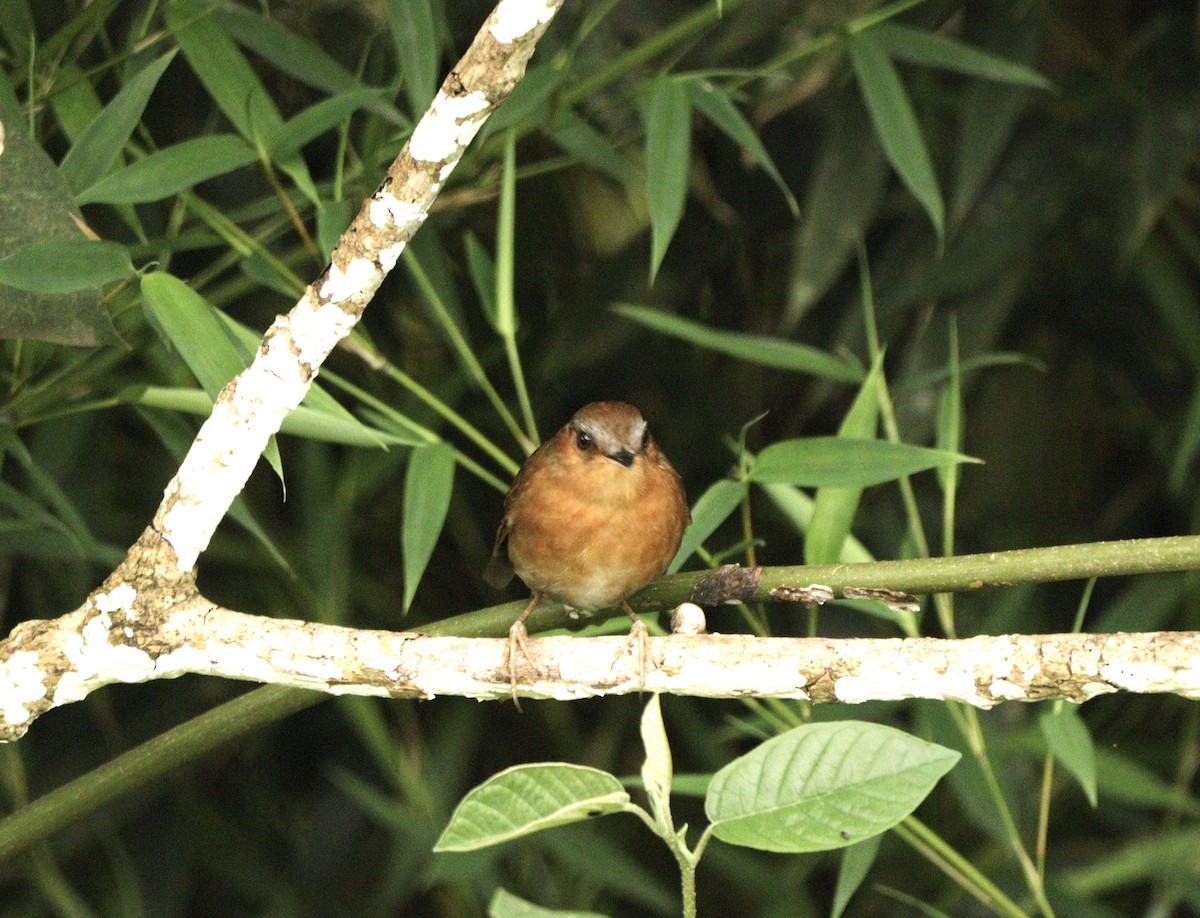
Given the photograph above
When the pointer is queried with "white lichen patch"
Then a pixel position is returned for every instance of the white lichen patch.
(21, 684)
(317, 330)
(884, 685)
(1138, 677)
(96, 661)
(359, 275)
(185, 659)
(1003, 690)
(121, 596)
(311, 668)
(448, 126)
(389, 256)
(388, 210)
(517, 18)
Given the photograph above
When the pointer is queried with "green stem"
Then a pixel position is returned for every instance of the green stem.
(932, 847)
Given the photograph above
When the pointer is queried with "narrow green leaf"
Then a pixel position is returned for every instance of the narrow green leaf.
(896, 125)
(483, 277)
(834, 507)
(667, 114)
(797, 507)
(823, 786)
(417, 47)
(1121, 779)
(529, 103)
(506, 241)
(529, 798)
(226, 74)
(710, 511)
(589, 146)
(104, 139)
(720, 110)
(777, 353)
(1069, 740)
(191, 326)
(949, 419)
(657, 769)
(833, 462)
(856, 861)
(306, 421)
(170, 171)
(930, 50)
(63, 265)
(317, 119)
(427, 486)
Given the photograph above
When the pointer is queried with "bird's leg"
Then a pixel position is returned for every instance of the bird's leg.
(639, 637)
(518, 637)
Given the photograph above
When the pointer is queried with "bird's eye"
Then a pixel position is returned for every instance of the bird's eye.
(584, 440)
(645, 440)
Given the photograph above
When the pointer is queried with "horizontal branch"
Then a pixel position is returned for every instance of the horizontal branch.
(64, 660)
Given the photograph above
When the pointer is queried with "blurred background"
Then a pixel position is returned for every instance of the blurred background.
(1057, 233)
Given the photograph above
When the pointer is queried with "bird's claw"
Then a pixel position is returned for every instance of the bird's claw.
(518, 639)
(638, 640)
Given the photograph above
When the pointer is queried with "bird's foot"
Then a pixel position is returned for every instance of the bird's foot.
(518, 640)
(639, 642)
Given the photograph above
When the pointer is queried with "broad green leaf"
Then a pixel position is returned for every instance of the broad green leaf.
(931, 50)
(710, 511)
(834, 507)
(657, 768)
(64, 265)
(317, 119)
(36, 207)
(306, 421)
(896, 124)
(505, 905)
(100, 145)
(667, 114)
(529, 798)
(16, 24)
(589, 146)
(823, 786)
(427, 486)
(170, 171)
(717, 107)
(855, 863)
(777, 353)
(1069, 740)
(818, 462)
(417, 49)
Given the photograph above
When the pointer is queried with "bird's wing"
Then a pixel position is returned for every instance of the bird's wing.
(499, 571)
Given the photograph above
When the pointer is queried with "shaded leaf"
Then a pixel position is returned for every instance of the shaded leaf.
(896, 124)
(36, 207)
(427, 486)
(823, 786)
(104, 139)
(834, 462)
(61, 266)
(667, 114)
(416, 41)
(1069, 740)
(931, 50)
(317, 119)
(777, 353)
(529, 798)
(852, 870)
(505, 905)
(589, 146)
(170, 171)
(717, 107)
(710, 511)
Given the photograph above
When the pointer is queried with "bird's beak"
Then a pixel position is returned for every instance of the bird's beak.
(625, 457)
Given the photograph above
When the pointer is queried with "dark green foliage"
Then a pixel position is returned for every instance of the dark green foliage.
(1022, 182)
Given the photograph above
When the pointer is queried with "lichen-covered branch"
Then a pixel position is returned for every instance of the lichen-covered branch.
(92, 649)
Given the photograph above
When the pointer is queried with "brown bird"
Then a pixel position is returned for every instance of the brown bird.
(595, 514)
